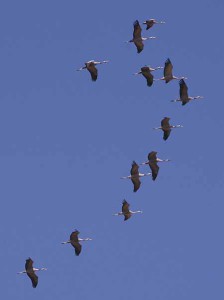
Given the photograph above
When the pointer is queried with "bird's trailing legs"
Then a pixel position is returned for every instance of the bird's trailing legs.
(132, 212)
(189, 98)
(171, 126)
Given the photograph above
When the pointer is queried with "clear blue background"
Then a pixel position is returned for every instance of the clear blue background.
(66, 141)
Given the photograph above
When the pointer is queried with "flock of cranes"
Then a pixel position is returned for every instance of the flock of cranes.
(153, 160)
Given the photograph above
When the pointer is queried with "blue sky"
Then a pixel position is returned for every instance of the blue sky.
(66, 141)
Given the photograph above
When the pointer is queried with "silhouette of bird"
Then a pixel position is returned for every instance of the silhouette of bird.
(74, 241)
(91, 67)
(30, 271)
(126, 212)
(184, 98)
(166, 127)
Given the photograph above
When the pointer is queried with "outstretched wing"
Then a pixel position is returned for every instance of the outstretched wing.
(166, 133)
(93, 71)
(152, 156)
(74, 236)
(77, 246)
(154, 168)
(148, 75)
(33, 277)
(165, 123)
(137, 30)
(149, 24)
(29, 264)
(136, 182)
(134, 168)
(139, 45)
(125, 207)
(183, 92)
(125, 210)
(168, 70)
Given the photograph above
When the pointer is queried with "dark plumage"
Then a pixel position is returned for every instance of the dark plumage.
(125, 210)
(165, 128)
(183, 92)
(135, 176)
(75, 242)
(168, 71)
(148, 75)
(30, 272)
(152, 161)
(90, 66)
(137, 36)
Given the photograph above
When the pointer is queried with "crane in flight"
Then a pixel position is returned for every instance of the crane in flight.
(166, 127)
(75, 241)
(168, 72)
(126, 212)
(91, 67)
(183, 91)
(146, 72)
(135, 176)
(30, 271)
(149, 23)
(137, 37)
(153, 163)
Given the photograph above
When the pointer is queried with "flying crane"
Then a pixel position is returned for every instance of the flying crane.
(153, 163)
(137, 37)
(91, 67)
(184, 98)
(30, 271)
(135, 176)
(126, 212)
(74, 241)
(166, 127)
(151, 22)
(146, 72)
(168, 72)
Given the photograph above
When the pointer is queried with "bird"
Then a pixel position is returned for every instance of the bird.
(146, 72)
(30, 271)
(151, 22)
(166, 127)
(135, 175)
(126, 212)
(91, 67)
(152, 162)
(184, 98)
(74, 241)
(168, 72)
(137, 37)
